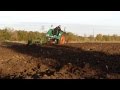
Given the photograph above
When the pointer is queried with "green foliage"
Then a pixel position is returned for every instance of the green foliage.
(20, 35)
(7, 34)
(4, 34)
(72, 37)
(99, 37)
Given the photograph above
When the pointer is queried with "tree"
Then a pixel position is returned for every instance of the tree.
(99, 37)
(91, 38)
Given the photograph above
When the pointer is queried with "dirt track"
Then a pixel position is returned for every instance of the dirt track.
(71, 61)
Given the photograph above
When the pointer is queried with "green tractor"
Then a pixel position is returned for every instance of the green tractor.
(56, 36)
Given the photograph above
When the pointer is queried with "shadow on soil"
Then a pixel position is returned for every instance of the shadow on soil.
(76, 56)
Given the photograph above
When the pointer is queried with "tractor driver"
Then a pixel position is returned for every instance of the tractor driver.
(57, 30)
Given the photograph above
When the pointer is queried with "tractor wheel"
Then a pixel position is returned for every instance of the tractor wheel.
(62, 40)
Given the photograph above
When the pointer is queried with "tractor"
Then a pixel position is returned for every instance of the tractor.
(53, 36)
(56, 36)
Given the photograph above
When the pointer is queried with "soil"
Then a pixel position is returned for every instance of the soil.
(69, 61)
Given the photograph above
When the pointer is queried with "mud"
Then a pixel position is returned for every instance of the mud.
(69, 61)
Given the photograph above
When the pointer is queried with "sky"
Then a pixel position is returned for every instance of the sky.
(99, 20)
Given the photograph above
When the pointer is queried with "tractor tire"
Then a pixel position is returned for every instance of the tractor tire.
(62, 40)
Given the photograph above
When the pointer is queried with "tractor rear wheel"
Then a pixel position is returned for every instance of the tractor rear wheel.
(62, 40)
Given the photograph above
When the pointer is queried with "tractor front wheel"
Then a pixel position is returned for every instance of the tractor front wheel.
(62, 40)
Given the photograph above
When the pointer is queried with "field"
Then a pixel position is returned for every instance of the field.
(69, 61)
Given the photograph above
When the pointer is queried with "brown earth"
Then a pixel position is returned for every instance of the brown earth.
(70, 61)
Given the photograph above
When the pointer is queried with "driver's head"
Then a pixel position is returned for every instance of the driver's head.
(59, 26)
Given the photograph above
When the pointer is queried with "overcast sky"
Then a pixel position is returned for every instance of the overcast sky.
(80, 17)
(106, 18)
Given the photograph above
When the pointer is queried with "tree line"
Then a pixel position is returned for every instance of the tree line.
(21, 35)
